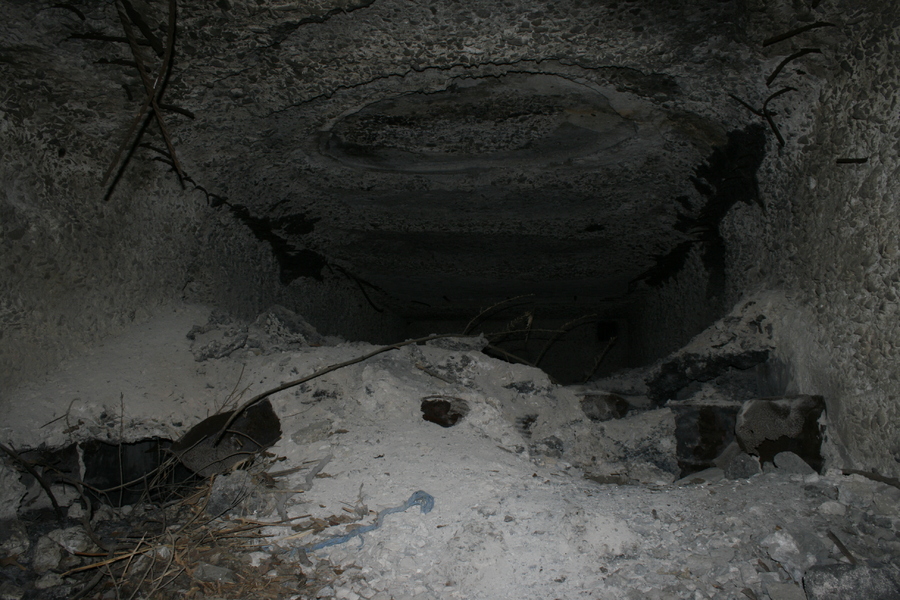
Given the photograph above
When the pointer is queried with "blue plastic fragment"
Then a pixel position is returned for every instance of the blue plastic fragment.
(423, 499)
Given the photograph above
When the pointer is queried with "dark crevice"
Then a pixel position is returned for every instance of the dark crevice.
(293, 262)
(283, 30)
(726, 178)
(661, 88)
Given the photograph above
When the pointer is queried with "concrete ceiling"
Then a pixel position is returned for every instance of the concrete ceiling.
(442, 155)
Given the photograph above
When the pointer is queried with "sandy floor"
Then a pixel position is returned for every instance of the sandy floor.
(508, 521)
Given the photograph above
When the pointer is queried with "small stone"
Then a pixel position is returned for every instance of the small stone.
(73, 539)
(47, 554)
(603, 407)
(13, 538)
(76, 511)
(367, 593)
(11, 492)
(830, 507)
(8, 591)
(325, 592)
(785, 549)
(47, 581)
(343, 593)
(791, 463)
(208, 572)
(856, 491)
(228, 491)
(887, 501)
(785, 591)
(742, 466)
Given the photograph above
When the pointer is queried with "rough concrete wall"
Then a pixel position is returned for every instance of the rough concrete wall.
(830, 237)
(670, 315)
(336, 306)
(75, 268)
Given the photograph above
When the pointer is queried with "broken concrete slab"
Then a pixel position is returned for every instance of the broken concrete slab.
(767, 426)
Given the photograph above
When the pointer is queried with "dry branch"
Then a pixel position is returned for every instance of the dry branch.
(43, 483)
(319, 373)
(157, 87)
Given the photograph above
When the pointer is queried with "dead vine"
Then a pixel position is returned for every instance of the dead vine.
(153, 88)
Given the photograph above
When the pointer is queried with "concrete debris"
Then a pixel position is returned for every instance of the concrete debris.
(743, 466)
(768, 426)
(254, 430)
(47, 555)
(275, 330)
(213, 573)
(603, 407)
(851, 582)
(792, 463)
(11, 491)
(533, 499)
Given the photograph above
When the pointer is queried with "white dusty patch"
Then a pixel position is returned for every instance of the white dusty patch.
(508, 522)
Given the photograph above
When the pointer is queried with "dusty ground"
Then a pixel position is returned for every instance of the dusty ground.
(514, 516)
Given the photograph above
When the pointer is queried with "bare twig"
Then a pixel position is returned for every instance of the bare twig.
(43, 483)
(483, 314)
(121, 441)
(844, 550)
(563, 330)
(136, 18)
(768, 115)
(509, 355)
(152, 88)
(793, 56)
(756, 112)
(873, 476)
(789, 34)
(600, 357)
(323, 371)
(71, 8)
(157, 87)
(90, 585)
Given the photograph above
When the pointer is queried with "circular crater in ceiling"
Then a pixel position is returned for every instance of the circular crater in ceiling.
(512, 120)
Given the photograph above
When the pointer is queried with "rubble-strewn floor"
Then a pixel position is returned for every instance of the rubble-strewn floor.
(514, 517)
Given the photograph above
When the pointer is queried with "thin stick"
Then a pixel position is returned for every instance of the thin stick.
(37, 476)
(150, 86)
(563, 330)
(108, 561)
(789, 34)
(488, 310)
(747, 106)
(768, 115)
(319, 373)
(509, 355)
(842, 547)
(121, 441)
(873, 476)
(163, 72)
(793, 56)
(600, 357)
(89, 586)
